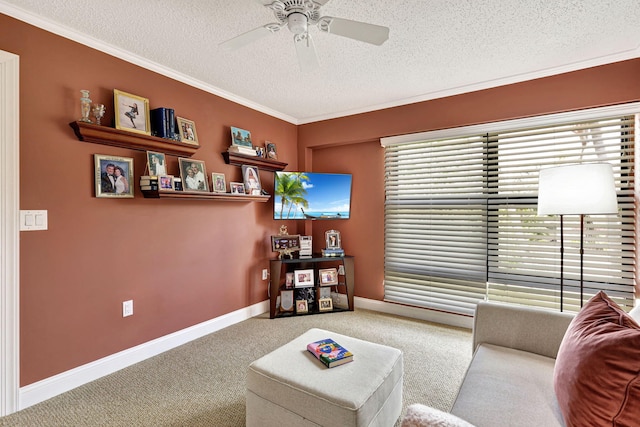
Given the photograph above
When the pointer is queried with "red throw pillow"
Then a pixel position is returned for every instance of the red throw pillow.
(597, 371)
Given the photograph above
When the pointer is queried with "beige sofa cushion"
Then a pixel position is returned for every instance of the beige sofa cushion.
(597, 373)
(418, 415)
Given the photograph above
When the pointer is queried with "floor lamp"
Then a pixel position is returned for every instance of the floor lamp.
(584, 189)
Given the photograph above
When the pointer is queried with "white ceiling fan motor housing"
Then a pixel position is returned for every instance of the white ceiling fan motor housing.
(297, 23)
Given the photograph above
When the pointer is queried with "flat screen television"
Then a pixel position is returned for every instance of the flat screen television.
(311, 195)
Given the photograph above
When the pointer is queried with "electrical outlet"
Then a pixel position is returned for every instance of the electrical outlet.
(127, 308)
(265, 274)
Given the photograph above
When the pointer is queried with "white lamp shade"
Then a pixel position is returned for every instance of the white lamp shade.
(585, 189)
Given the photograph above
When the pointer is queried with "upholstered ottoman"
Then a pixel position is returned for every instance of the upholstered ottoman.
(290, 387)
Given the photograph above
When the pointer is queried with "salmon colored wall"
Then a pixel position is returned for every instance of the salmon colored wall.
(351, 144)
(183, 262)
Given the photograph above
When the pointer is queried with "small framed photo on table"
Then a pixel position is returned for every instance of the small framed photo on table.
(325, 304)
(286, 300)
(288, 282)
(270, 149)
(241, 137)
(156, 163)
(219, 183)
(113, 176)
(251, 180)
(303, 278)
(194, 175)
(131, 112)
(328, 276)
(333, 239)
(187, 130)
(165, 183)
(302, 306)
(237, 188)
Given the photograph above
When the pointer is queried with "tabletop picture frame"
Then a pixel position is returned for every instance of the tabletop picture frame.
(251, 179)
(325, 304)
(131, 112)
(165, 183)
(156, 163)
(194, 175)
(187, 131)
(328, 276)
(303, 278)
(333, 240)
(237, 188)
(218, 182)
(113, 176)
(241, 137)
(302, 306)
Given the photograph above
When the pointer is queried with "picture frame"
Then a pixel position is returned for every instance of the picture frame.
(270, 151)
(194, 175)
(237, 188)
(251, 178)
(306, 246)
(156, 163)
(241, 137)
(177, 184)
(288, 242)
(131, 112)
(325, 304)
(302, 306)
(333, 240)
(324, 292)
(260, 152)
(286, 300)
(218, 182)
(288, 281)
(165, 183)
(113, 176)
(328, 276)
(303, 278)
(187, 131)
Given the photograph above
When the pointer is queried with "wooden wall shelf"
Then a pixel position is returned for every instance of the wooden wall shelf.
(89, 132)
(198, 195)
(238, 159)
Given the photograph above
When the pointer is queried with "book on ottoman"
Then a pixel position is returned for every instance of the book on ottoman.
(330, 352)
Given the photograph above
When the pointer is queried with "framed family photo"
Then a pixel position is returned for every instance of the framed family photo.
(270, 149)
(236, 188)
(113, 176)
(333, 239)
(302, 306)
(303, 278)
(165, 183)
(325, 304)
(194, 175)
(219, 183)
(328, 276)
(241, 137)
(251, 180)
(156, 163)
(187, 130)
(131, 112)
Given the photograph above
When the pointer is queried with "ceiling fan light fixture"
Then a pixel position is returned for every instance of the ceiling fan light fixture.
(297, 23)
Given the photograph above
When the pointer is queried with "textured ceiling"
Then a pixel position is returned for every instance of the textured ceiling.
(435, 48)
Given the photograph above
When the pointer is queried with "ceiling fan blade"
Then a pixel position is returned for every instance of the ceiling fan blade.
(250, 36)
(368, 33)
(306, 51)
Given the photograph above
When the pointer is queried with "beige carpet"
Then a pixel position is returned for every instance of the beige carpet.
(202, 383)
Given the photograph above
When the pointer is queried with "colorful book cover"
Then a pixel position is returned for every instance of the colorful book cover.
(330, 352)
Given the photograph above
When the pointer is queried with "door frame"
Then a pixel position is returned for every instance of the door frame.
(9, 233)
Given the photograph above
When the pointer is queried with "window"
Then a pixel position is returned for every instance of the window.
(461, 219)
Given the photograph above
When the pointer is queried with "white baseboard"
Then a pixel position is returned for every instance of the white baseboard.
(65, 381)
(58, 384)
(414, 312)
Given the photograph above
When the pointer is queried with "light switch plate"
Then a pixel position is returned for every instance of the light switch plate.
(33, 220)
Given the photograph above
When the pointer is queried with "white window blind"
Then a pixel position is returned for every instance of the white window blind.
(435, 224)
(461, 218)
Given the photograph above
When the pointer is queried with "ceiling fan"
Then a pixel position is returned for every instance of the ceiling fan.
(298, 15)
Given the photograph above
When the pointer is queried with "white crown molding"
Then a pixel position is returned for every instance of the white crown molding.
(9, 232)
(593, 62)
(125, 55)
(53, 386)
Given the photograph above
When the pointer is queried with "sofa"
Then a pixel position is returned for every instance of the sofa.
(525, 357)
